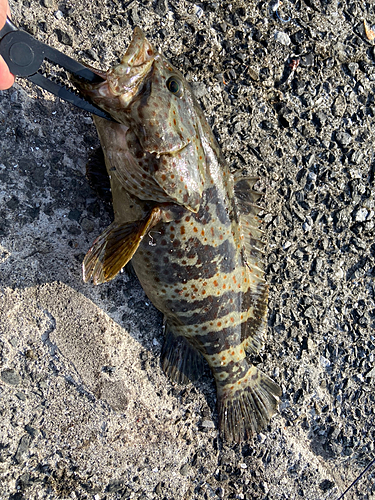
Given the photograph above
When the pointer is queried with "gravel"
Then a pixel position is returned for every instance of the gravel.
(86, 411)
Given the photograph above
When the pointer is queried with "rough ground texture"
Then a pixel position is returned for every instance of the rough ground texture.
(85, 410)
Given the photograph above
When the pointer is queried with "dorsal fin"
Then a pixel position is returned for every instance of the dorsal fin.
(247, 198)
(252, 335)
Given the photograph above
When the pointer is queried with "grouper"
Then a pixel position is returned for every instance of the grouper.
(190, 228)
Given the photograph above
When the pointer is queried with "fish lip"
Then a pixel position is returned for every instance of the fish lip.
(139, 51)
(125, 79)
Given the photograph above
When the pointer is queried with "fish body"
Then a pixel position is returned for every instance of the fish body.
(191, 230)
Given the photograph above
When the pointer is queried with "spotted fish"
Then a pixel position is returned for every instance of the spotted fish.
(190, 228)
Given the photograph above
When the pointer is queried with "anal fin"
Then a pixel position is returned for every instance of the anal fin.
(180, 361)
(114, 248)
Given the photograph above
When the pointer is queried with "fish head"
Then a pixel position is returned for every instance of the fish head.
(147, 94)
(152, 98)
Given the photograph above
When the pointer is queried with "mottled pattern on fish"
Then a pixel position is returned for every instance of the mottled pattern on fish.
(191, 230)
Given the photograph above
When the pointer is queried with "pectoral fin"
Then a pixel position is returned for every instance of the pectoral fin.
(115, 247)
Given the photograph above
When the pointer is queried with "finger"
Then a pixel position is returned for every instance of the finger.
(4, 12)
(6, 78)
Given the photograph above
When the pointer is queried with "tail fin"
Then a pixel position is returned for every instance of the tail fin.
(247, 406)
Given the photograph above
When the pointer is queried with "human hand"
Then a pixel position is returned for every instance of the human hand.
(6, 78)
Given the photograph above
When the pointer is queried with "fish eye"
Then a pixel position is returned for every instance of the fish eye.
(175, 86)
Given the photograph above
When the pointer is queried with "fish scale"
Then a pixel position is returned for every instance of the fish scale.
(191, 230)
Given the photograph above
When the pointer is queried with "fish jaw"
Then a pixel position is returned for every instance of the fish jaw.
(124, 79)
(122, 82)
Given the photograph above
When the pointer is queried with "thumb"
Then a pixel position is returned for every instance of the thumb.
(4, 12)
(6, 78)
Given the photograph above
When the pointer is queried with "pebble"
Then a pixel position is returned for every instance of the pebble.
(58, 14)
(198, 11)
(325, 362)
(343, 138)
(353, 67)
(262, 437)
(311, 312)
(115, 485)
(87, 225)
(92, 54)
(10, 377)
(264, 487)
(274, 5)
(74, 214)
(326, 485)
(282, 38)
(318, 264)
(185, 469)
(14, 341)
(339, 274)
(307, 60)
(23, 446)
(361, 215)
(199, 89)
(64, 37)
(161, 7)
(208, 424)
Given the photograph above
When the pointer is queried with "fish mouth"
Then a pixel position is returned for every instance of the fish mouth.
(123, 82)
(125, 79)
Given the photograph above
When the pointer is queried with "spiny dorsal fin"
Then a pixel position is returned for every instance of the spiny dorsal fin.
(247, 198)
(115, 247)
(252, 334)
